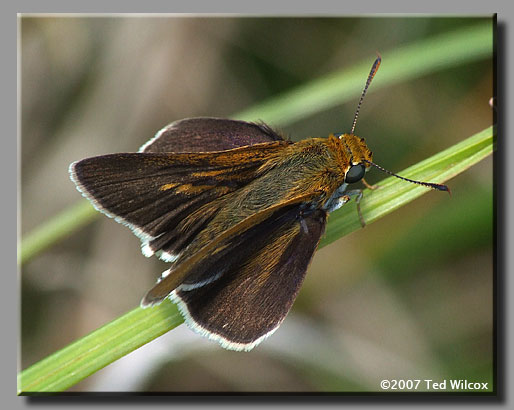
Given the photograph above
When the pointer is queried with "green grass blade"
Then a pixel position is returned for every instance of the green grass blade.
(80, 359)
(419, 58)
(91, 353)
(402, 64)
(55, 229)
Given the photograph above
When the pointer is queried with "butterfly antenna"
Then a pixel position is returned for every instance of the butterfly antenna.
(439, 187)
(372, 73)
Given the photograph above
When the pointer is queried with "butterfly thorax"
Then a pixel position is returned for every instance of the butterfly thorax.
(314, 166)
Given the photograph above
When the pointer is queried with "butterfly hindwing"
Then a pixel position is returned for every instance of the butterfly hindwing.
(255, 279)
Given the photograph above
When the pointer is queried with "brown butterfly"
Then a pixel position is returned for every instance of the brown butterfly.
(236, 209)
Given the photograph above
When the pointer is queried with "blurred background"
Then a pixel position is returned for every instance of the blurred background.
(410, 296)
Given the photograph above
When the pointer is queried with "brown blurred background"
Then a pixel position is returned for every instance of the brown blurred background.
(409, 296)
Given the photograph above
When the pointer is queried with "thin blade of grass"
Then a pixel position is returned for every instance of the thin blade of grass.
(56, 229)
(93, 352)
(402, 64)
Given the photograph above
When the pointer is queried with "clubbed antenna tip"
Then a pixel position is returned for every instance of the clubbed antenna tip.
(439, 187)
(372, 73)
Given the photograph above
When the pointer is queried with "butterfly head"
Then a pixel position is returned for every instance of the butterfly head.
(357, 155)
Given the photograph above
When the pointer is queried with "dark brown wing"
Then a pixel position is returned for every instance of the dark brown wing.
(209, 134)
(255, 280)
(153, 192)
(193, 272)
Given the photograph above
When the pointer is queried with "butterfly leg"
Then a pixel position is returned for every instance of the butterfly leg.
(358, 194)
(367, 185)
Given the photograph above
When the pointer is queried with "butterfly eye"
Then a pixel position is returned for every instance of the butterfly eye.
(355, 174)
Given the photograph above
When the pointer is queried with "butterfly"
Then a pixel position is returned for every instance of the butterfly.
(235, 208)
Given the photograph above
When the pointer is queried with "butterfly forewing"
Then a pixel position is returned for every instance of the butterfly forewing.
(154, 193)
(209, 134)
